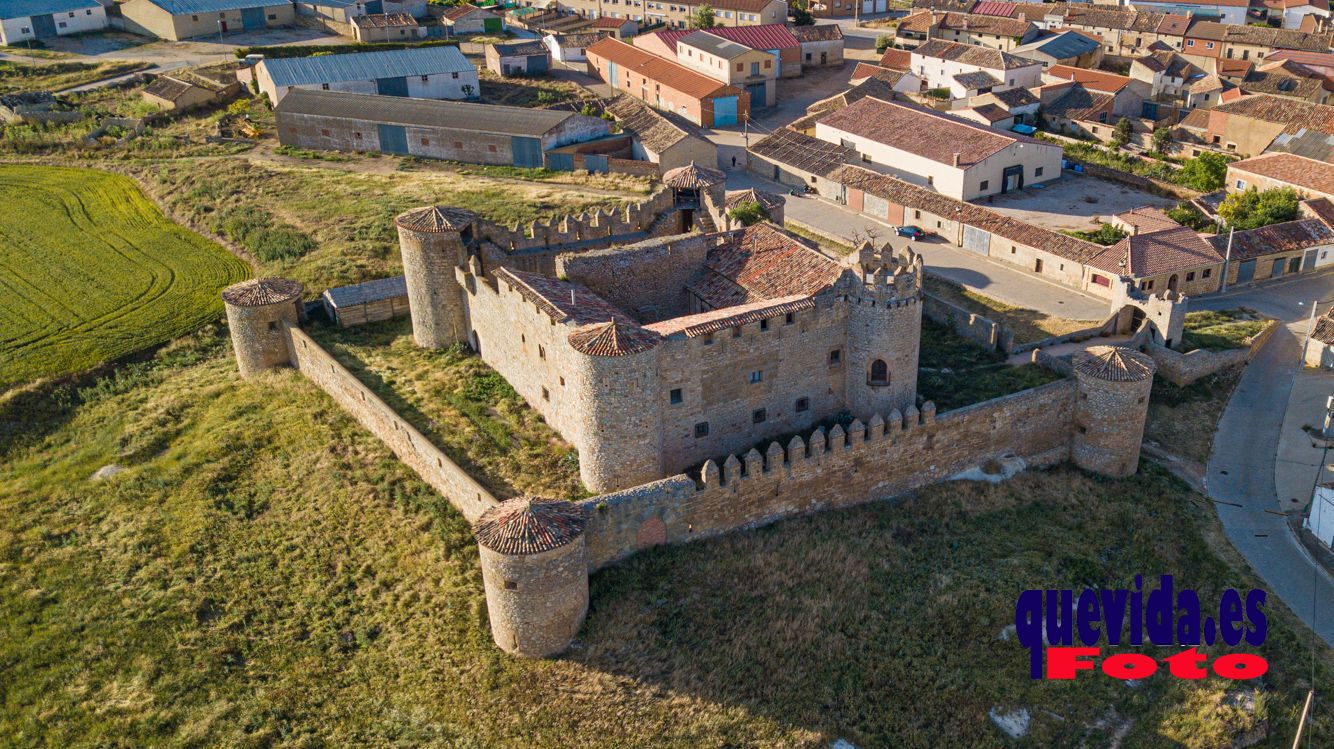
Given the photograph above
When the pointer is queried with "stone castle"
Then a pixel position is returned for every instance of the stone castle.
(662, 359)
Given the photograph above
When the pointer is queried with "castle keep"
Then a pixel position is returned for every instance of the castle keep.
(681, 365)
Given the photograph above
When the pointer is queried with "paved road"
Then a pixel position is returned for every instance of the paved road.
(1241, 471)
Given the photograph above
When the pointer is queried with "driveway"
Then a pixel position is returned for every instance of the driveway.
(1244, 472)
(1073, 202)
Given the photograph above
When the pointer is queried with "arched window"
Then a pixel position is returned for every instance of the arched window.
(879, 373)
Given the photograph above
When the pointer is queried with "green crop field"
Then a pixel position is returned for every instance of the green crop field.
(91, 270)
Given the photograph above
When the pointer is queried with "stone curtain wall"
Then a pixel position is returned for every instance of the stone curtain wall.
(974, 327)
(647, 280)
(1183, 369)
(875, 461)
(601, 224)
(411, 446)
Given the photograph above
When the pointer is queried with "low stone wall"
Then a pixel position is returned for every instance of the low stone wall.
(1183, 369)
(1148, 184)
(467, 496)
(1107, 327)
(882, 459)
(980, 330)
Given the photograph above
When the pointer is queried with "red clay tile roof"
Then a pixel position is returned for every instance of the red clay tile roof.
(730, 317)
(612, 339)
(258, 292)
(993, 8)
(1114, 363)
(1233, 68)
(1322, 208)
(803, 152)
(692, 176)
(896, 59)
(991, 112)
(921, 131)
(970, 54)
(434, 219)
(606, 22)
(911, 196)
(1147, 219)
(745, 6)
(633, 60)
(762, 262)
(1153, 253)
(459, 11)
(1280, 82)
(1267, 240)
(1319, 59)
(562, 301)
(866, 70)
(766, 36)
(1280, 110)
(1173, 25)
(767, 200)
(986, 24)
(1079, 103)
(529, 525)
(820, 32)
(1096, 80)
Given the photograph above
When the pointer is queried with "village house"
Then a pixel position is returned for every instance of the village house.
(753, 70)
(525, 58)
(667, 85)
(1281, 78)
(616, 28)
(662, 138)
(960, 159)
(993, 32)
(1019, 103)
(1064, 48)
(1223, 11)
(24, 20)
(187, 89)
(800, 160)
(966, 70)
(570, 47)
(186, 19)
(422, 72)
(775, 39)
(470, 19)
(1252, 124)
(677, 15)
(386, 27)
(456, 131)
(1310, 178)
(1292, 13)
(899, 80)
(1127, 93)
(821, 44)
(1276, 251)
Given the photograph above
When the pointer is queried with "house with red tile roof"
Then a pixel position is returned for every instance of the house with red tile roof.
(1311, 178)
(666, 85)
(958, 158)
(1223, 11)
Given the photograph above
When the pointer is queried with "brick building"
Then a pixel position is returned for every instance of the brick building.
(667, 85)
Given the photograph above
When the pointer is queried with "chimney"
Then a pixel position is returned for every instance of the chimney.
(956, 160)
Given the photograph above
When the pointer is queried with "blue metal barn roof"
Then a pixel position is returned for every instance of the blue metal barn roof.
(25, 8)
(364, 66)
(183, 7)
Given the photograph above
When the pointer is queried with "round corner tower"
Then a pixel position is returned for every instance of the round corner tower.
(431, 241)
(1112, 387)
(256, 311)
(884, 332)
(618, 419)
(535, 572)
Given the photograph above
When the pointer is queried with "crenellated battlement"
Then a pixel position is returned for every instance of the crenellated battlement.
(589, 226)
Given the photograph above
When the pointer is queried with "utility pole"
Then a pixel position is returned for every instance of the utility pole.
(1227, 259)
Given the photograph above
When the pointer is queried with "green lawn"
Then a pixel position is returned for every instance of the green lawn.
(265, 574)
(91, 270)
(954, 372)
(1028, 325)
(1221, 330)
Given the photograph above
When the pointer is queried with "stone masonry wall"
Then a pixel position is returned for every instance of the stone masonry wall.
(973, 327)
(646, 279)
(601, 224)
(467, 496)
(881, 459)
(1183, 369)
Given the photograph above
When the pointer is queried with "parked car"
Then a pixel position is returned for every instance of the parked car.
(911, 232)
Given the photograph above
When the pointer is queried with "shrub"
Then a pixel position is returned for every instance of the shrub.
(1187, 215)
(258, 232)
(1206, 172)
(882, 43)
(749, 213)
(1252, 208)
(1105, 235)
(1122, 132)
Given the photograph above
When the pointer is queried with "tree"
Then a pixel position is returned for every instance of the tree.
(748, 213)
(801, 16)
(1122, 132)
(1162, 139)
(702, 18)
(1206, 172)
(882, 43)
(1252, 208)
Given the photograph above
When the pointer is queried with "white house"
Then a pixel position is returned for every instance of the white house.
(1292, 12)
(1321, 519)
(21, 20)
(963, 160)
(967, 70)
(421, 73)
(1222, 11)
(569, 47)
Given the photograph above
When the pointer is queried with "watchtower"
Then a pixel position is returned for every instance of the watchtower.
(1112, 403)
(433, 241)
(535, 571)
(884, 295)
(256, 311)
(699, 188)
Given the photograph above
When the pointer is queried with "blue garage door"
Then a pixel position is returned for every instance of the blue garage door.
(1246, 271)
(596, 163)
(724, 111)
(611, 74)
(393, 139)
(527, 151)
(537, 65)
(560, 162)
(391, 86)
(44, 27)
(253, 18)
(757, 97)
